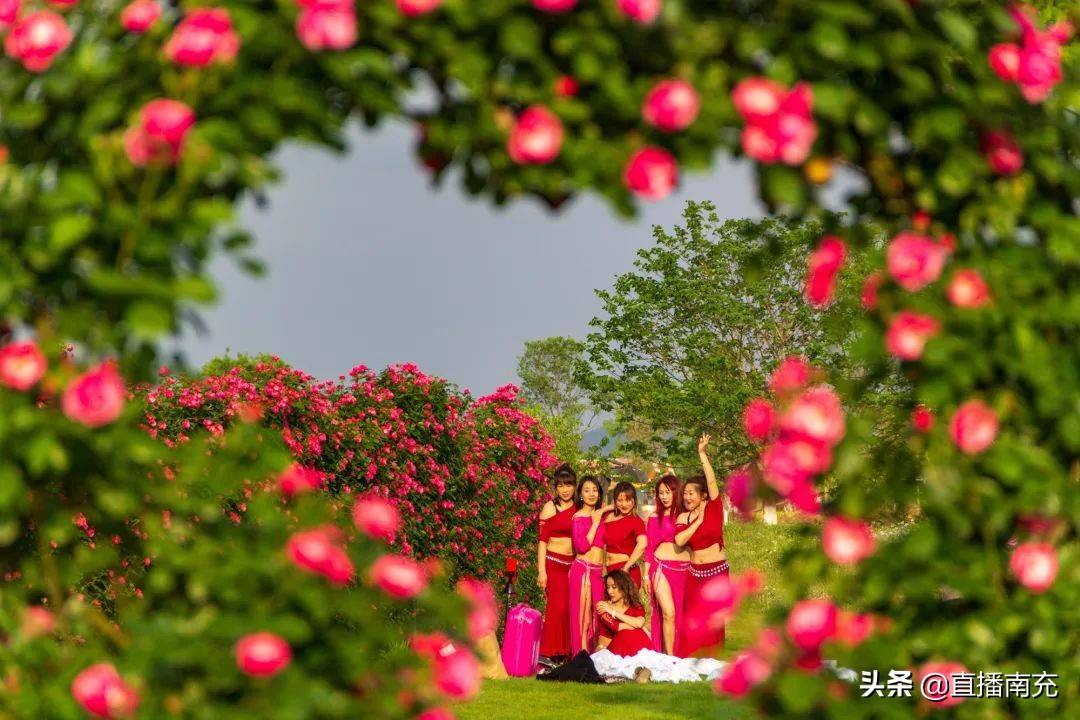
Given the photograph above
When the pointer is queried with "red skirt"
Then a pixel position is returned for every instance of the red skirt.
(555, 640)
(700, 634)
(630, 642)
(634, 572)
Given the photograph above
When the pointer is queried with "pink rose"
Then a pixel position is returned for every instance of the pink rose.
(671, 105)
(804, 496)
(299, 479)
(140, 15)
(438, 713)
(376, 517)
(22, 365)
(868, 298)
(418, 7)
(823, 267)
(915, 261)
(536, 137)
(640, 11)
(1035, 65)
(792, 373)
(566, 86)
(853, 629)
(483, 614)
(326, 26)
(816, 414)
(554, 6)
(457, 672)
(100, 691)
(36, 39)
(793, 460)
(159, 135)
(38, 622)
(922, 418)
(780, 127)
(948, 689)
(740, 490)
(908, 334)
(1004, 60)
(651, 173)
(758, 419)
(9, 11)
(847, 541)
(318, 551)
(262, 654)
(747, 671)
(967, 289)
(204, 36)
(399, 577)
(810, 623)
(973, 427)
(1035, 565)
(1002, 153)
(96, 397)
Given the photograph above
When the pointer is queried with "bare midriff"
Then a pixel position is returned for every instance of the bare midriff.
(671, 551)
(616, 558)
(561, 545)
(595, 555)
(711, 554)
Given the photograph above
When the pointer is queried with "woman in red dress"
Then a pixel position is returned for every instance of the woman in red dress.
(622, 618)
(587, 572)
(701, 528)
(554, 555)
(666, 566)
(625, 534)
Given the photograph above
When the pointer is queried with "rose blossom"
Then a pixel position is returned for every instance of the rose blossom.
(376, 517)
(816, 414)
(641, 11)
(792, 460)
(96, 397)
(804, 496)
(1034, 64)
(101, 691)
(758, 419)
(1035, 565)
(418, 7)
(973, 427)
(915, 261)
(22, 365)
(853, 628)
(740, 488)
(317, 551)
(262, 654)
(36, 39)
(780, 126)
(792, 373)
(299, 479)
(159, 135)
(204, 36)
(908, 334)
(922, 418)
(948, 670)
(566, 86)
(968, 289)
(671, 105)
(9, 11)
(536, 136)
(810, 623)
(847, 541)
(398, 576)
(438, 713)
(868, 298)
(1002, 153)
(38, 622)
(326, 25)
(483, 614)
(651, 173)
(554, 6)
(823, 267)
(747, 671)
(140, 15)
(457, 672)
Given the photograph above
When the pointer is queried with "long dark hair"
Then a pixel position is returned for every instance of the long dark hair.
(563, 475)
(624, 487)
(626, 586)
(671, 483)
(578, 502)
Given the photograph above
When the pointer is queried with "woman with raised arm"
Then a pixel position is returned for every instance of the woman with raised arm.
(554, 555)
(624, 534)
(666, 566)
(701, 528)
(622, 618)
(586, 573)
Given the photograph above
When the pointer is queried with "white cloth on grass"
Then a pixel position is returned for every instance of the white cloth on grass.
(664, 668)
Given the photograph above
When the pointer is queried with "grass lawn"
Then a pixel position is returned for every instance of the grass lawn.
(748, 545)
(528, 699)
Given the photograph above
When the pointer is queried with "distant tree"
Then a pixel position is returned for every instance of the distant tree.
(554, 395)
(691, 334)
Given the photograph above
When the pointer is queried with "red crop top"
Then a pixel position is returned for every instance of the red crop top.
(622, 534)
(711, 530)
(609, 624)
(558, 525)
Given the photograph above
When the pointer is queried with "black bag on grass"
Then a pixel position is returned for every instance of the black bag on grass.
(579, 669)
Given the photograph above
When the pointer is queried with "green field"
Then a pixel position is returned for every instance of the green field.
(748, 545)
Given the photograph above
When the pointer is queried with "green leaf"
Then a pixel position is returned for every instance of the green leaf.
(68, 231)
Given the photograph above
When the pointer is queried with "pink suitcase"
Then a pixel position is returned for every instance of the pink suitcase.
(521, 641)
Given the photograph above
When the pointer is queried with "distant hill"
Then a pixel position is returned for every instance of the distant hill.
(595, 438)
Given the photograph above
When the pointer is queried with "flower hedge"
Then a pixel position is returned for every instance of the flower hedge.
(467, 476)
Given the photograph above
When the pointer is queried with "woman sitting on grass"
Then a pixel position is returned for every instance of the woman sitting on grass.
(622, 618)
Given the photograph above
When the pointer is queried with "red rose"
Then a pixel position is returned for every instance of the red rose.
(651, 173)
(100, 691)
(973, 427)
(140, 15)
(96, 397)
(204, 36)
(671, 105)
(908, 334)
(36, 39)
(22, 365)
(262, 654)
(915, 261)
(847, 541)
(536, 137)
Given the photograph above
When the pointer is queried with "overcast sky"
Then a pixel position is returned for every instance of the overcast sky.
(369, 264)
